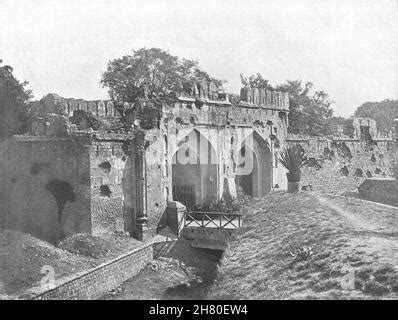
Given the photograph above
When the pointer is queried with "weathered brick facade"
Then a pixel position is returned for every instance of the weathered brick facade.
(45, 186)
(99, 167)
(343, 162)
(119, 175)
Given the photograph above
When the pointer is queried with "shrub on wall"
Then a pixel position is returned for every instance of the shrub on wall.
(82, 115)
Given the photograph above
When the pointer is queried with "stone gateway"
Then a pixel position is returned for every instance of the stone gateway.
(103, 167)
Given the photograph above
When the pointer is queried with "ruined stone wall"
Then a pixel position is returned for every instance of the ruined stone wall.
(54, 104)
(109, 180)
(45, 186)
(56, 187)
(157, 177)
(191, 112)
(264, 97)
(111, 177)
(51, 115)
(340, 165)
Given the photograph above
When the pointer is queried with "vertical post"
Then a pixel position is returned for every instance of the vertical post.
(141, 227)
(176, 216)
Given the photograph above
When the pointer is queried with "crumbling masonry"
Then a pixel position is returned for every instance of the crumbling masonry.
(342, 162)
(98, 167)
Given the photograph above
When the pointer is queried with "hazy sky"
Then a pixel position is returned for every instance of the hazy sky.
(347, 48)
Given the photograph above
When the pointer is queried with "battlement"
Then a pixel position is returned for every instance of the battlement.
(204, 91)
(360, 129)
(265, 98)
(200, 102)
(55, 104)
(54, 115)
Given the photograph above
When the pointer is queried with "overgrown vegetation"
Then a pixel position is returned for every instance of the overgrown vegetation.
(227, 204)
(151, 73)
(14, 98)
(310, 112)
(384, 112)
(82, 115)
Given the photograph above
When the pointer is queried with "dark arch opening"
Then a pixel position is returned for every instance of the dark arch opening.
(195, 179)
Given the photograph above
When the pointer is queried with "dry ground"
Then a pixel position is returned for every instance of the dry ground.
(184, 273)
(22, 257)
(291, 246)
(301, 246)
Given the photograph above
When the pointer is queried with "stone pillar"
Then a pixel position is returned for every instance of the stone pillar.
(141, 230)
(176, 216)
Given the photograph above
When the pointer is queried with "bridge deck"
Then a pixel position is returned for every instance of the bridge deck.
(223, 224)
(214, 220)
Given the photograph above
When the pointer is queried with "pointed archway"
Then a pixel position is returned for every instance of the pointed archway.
(195, 171)
(255, 155)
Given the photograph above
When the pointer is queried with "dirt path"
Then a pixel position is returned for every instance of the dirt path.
(380, 230)
(300, 247)
(355, 220)
(364, 215)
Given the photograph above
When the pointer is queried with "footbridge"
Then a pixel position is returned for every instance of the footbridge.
(207, 230)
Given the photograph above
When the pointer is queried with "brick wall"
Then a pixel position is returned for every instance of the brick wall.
(56, 187)
(157, 179)
(111, 177)
(98, 281)
(44, 187)
(340, 165)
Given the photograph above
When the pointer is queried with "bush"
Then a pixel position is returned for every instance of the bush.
(92, 121)
(227, 205)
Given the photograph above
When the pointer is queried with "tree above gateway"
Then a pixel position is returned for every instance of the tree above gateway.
(150, 73)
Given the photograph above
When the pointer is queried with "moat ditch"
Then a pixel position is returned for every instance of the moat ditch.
(184, 273)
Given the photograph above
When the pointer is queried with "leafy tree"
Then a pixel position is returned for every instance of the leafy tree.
(199, 74)
(309, 113)
(384, 112)
(13, 103)
(255, 81)
(150, 73)
(337, 121)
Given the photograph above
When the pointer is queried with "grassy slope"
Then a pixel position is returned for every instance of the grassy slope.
(297, 246)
